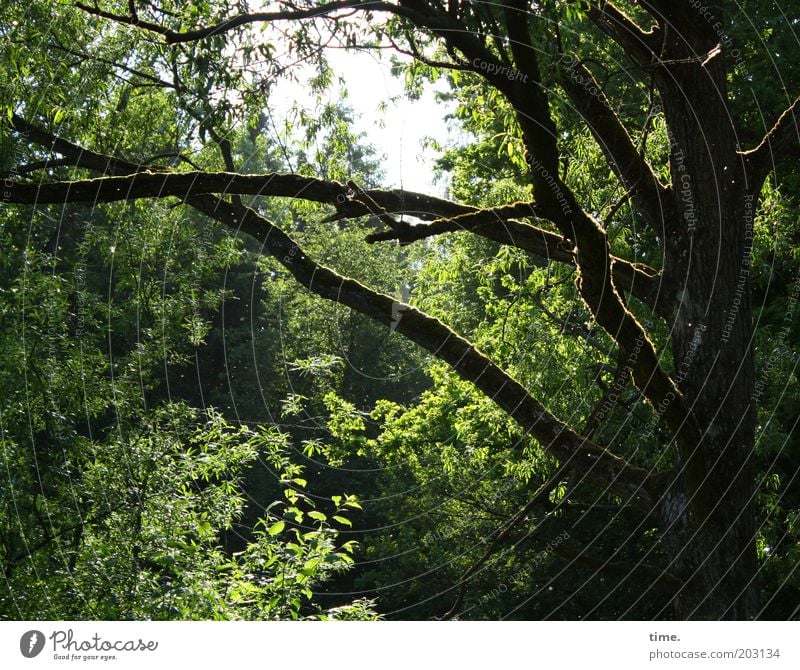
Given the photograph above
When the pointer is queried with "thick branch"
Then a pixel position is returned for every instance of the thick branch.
(649, 195)
(639, 279)
(598, 291)
(176, 37)
(592, 249)
(431, 334)
(598, 464)
(530, 101)
(87, 159)
(147, 184)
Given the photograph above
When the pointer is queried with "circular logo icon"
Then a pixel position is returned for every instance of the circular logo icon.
(31, 643)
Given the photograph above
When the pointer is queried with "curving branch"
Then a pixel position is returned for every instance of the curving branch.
(497, 224)
(177, 37)
(782, 140)
(417, 11)
(34, 166)
(137, 181)
(638, 44)
(593, 461)
(631, 168)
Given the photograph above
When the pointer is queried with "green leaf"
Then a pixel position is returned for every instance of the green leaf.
(276, 528)
(319, 516)
(343, 520)
(310, 566)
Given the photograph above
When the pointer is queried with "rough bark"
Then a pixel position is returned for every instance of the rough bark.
(709, 516)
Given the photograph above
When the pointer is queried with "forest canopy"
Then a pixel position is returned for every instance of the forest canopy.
(244, 376)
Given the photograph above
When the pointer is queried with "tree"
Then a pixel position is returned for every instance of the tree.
(140, 552)
(657, 85)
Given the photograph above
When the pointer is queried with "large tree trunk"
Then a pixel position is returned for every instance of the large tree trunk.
(709, 514)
